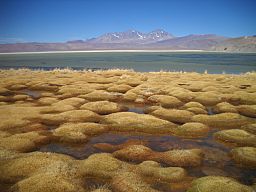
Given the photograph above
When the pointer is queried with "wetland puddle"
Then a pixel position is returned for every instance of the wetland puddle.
(32, 93)
(216, 160)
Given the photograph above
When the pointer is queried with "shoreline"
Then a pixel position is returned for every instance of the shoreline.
(113, 51)
(124, 51)
(98, 70)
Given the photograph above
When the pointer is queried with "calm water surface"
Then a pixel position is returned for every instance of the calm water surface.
(142, 62)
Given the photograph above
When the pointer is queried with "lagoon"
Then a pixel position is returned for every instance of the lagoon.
(212, 62)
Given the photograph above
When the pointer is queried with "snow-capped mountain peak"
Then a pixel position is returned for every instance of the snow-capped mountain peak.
(133, 36)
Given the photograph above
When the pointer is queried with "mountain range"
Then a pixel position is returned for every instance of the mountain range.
(134, 40)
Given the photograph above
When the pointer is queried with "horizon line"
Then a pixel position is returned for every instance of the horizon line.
(86, 39)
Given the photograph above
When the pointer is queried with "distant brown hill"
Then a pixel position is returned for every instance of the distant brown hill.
(132, 39)
(240, 44)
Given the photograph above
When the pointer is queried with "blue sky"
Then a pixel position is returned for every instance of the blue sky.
(62, 20)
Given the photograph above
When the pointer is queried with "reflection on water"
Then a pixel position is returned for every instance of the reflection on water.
(210, 110)
(135, 107)
(32, 93)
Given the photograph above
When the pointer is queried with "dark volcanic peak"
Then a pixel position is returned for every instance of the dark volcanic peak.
(133, 36)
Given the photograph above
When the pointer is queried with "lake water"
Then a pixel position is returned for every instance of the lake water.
(142, 62)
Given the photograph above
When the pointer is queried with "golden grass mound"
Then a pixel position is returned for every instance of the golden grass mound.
(73, 101)
(225, 107)
(103, 107)
(236, 136)
(129, 80)
(208, 98)
(173, 115)
(192, 130)
(78, 132)
(217, 183)
(102, 189)
(102, 165)
(44, 172)
(247, 110)
(244, 156)
(28, 164)
(72, 91)
(45, 182)
(6, 154)
(23, 142)
(194, 104)
(150, 109)
(100, 95)
(43, 87)
(196, 86)
(4, 91)
(15, 116)
(168, 174)
(246, 98)
(47, 100)
(106, 147)
(69, 116)
(123, 88)
(4, 99)
(17, 87)
(182, 94)
(231, 98)
(134, 152)
(128, 181)
(129, 96)
(20, 97)
(251, 128)
(220, 120)
(191, 157)
(197, 110)
(57, 109)
(128, 121)
(165, 100)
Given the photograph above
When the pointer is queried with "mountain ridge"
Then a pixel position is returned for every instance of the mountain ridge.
(157, 39)
(133, 36)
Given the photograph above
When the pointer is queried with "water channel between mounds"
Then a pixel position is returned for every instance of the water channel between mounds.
(217, 162)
